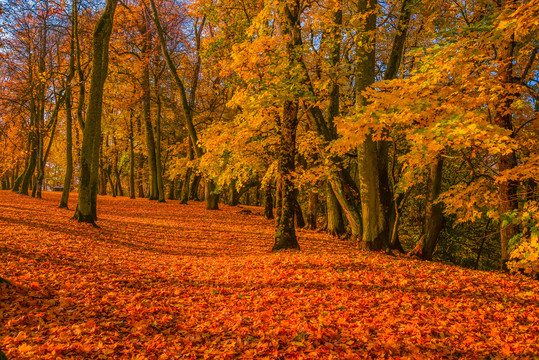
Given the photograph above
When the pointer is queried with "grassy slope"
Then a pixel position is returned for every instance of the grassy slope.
(169, 281)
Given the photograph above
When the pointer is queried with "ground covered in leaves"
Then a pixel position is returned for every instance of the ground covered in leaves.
(170, 281)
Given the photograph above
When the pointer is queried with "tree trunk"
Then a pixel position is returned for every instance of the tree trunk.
(212, 198)
(268, 202)
(40, 116)
(434, 218)
(150, 142)
(193, 188)
(25, 184)
(247, 198)
(118, 183)
(171, 189)
(131, 158)
(397, 49)
(184, 197)
(69, 129)
(140, 175)
(89, 157)
(375, 212)
(313, 210)
(300, 219)
(346, 193)
(392, 68)
(186, 189)
(140, 164)
(80, 71)
(186, 104)
(394, 219)
(234, 195)
(33, 138)
(18, 181)
(278, 199)
(5, 182)
(285, 233)
(15, 174)
(112, 186)
(158, 164)
(45, 155)
(372, 157)
(335, 225)
(103, 181)
(343, 186)
(507, 189)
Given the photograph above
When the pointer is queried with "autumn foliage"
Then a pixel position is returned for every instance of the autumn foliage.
(370, 134)
(170, 281)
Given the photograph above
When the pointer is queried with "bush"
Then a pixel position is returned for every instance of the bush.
(525, 257)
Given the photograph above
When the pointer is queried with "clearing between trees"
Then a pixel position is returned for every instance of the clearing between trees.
(171, 281)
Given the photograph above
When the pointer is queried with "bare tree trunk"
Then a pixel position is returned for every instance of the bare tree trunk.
(89, 159)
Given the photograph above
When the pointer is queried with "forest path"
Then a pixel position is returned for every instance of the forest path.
(170, 281)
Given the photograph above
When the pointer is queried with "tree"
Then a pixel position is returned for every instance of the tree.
(507, 189)
(212, 198)
(69, 113)
(89, 157)
(434, 218)
(288, 15)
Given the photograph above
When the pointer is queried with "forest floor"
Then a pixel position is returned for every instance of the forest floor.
(170, 281)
